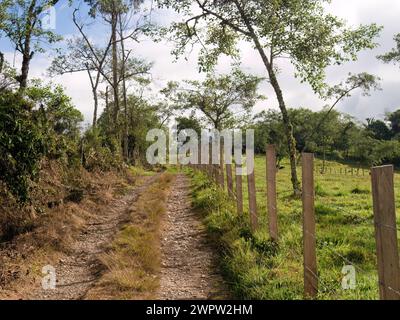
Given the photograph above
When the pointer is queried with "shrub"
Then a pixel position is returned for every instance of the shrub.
(97, 152)
(21, 145)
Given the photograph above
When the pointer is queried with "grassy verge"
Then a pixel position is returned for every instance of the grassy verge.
(260, 269)
(133, 260)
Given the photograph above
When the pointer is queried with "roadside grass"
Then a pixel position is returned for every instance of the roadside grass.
(140, 172)
(257, 268)
(133, 260)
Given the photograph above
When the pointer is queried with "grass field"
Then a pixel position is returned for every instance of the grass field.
(259, 269)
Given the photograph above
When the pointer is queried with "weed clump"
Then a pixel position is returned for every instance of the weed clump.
(358, 190)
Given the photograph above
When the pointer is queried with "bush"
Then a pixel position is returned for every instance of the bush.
(21, 145)
(57, 119)
(97, 152)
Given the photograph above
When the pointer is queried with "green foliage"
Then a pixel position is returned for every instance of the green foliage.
(394, 119)
(23, 18)
(141, 117)
(21, 145)
(224, 101)
(339, 136)
(191, 122)
(394, 55)
(378, 129)
(8, 77)
(268, 128)
(43, 123)
(287, 28)
(23, 26)
(57, 118)
(97, 151)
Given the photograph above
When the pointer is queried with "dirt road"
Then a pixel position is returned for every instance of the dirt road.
(78, 271)
(189, 269)
(188, 260)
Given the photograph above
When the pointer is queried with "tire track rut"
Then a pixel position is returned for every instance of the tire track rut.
(77, 272)
(189, 269)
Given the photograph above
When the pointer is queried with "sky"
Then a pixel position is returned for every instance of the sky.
(382, 12)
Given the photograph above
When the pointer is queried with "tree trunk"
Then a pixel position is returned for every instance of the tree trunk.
(126, 147)
(282, 106)
(107, 105)
(114, 22)
(96, 104)
(288, 131)
(1, 61)
(26, 52)
(26, 59)
(94, 85)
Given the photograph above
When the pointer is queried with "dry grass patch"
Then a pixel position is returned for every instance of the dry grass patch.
(133, 261)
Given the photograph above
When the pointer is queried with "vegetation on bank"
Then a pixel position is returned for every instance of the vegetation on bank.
(257, 268)
(63, 202)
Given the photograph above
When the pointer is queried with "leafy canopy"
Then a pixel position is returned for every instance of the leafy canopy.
(394, 55)
(25, 17)
(224, 100)
(300, 30)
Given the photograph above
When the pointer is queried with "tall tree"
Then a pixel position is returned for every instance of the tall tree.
(394, 119)
(101, 61)
(378, 129)
(130, 67)
(222, 100)
(111, 10)
(78, 57)
(300, 30)
(24, 27)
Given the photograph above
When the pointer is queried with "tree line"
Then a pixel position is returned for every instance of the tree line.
(342, 137)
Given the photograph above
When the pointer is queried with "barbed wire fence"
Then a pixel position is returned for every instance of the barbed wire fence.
(387, 256)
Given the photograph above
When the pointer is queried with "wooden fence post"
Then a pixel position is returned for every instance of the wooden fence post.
(221, 171)
(271, 193)
(251, 187)
(210, 163)
(199, 157)
(309, 239)
(386, 232)
(239, 190)
(229, 180)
